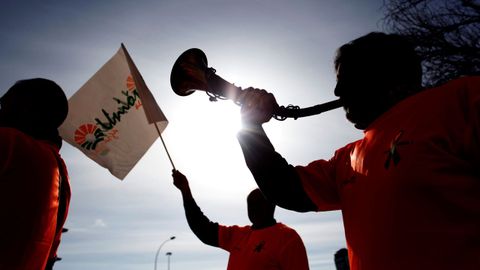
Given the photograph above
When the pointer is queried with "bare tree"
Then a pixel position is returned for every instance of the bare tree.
(446, 34)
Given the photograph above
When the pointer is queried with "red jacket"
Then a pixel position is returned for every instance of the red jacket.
(29, 200)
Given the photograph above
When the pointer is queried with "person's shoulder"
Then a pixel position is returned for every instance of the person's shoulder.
(286, 233)
(456, 84)
(347, 149)
(229, 233)
(8, 134)
(235, 228)
(9, 131)
(468, 83)
(458, 89)
(24, 143)
(285, 228)
(463, 89)
(465, 80)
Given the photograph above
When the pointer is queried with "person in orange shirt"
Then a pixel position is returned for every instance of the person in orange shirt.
(409, 190)
(265, 244)
(34, 185)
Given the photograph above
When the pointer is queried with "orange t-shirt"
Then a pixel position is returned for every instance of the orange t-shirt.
(29, 201)
(274, 247)
(409, 191)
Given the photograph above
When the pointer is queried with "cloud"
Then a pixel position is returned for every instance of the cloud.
(99, 223)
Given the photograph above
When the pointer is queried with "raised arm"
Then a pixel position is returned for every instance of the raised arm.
(201, 226)
(277, 179)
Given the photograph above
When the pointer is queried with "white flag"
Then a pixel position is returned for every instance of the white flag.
(107, 118)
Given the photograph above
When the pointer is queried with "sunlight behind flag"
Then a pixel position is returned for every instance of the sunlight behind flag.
(110, 117)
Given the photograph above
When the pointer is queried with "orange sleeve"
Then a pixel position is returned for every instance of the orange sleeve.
(318, 180)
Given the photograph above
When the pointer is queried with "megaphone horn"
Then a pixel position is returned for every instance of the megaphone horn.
(191, 72)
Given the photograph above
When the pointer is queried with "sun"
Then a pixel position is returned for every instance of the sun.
(202, 137)
(200, 126)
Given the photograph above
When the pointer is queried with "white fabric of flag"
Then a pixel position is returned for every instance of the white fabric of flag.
(107, 117)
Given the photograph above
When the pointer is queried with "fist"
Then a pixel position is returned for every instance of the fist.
(179, 180)
(258, 106)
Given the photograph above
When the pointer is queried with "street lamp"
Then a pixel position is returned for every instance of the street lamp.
(168, 254)
(160, 247)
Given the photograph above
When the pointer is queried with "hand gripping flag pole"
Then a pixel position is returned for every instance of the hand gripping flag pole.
(152, 111)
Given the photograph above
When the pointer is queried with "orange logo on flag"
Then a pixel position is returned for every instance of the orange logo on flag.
(88, 135)
(132, 87)
(130, 83)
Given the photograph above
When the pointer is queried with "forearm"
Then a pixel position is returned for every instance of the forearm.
(201, 226)
(277, 179)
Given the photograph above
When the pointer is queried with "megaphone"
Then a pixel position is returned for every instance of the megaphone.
(191, 72)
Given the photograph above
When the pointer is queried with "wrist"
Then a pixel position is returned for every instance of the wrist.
(186, 193)
(248, 125)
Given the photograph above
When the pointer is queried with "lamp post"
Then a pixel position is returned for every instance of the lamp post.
(160, 247)
(168, 254)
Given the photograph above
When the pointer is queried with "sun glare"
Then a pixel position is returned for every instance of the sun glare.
(197, 127)
(203, 141)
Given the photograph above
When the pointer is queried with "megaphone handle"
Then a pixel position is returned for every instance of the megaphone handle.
(295, 112)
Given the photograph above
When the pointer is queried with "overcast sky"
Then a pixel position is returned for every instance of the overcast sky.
(285, 47)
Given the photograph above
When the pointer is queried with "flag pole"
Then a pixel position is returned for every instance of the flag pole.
(164, 145)
(152, 111)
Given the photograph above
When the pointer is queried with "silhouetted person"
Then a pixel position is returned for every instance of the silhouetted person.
(265, 244)
(409, 191)
(34, 186)
(341, 259)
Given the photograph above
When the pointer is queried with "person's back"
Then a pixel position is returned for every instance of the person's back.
(34, 183)
(274, 247)
(30, 192)
(265, 244)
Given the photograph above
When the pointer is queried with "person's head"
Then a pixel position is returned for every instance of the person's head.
(260, 210)
(35, 106)
(374, 72)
